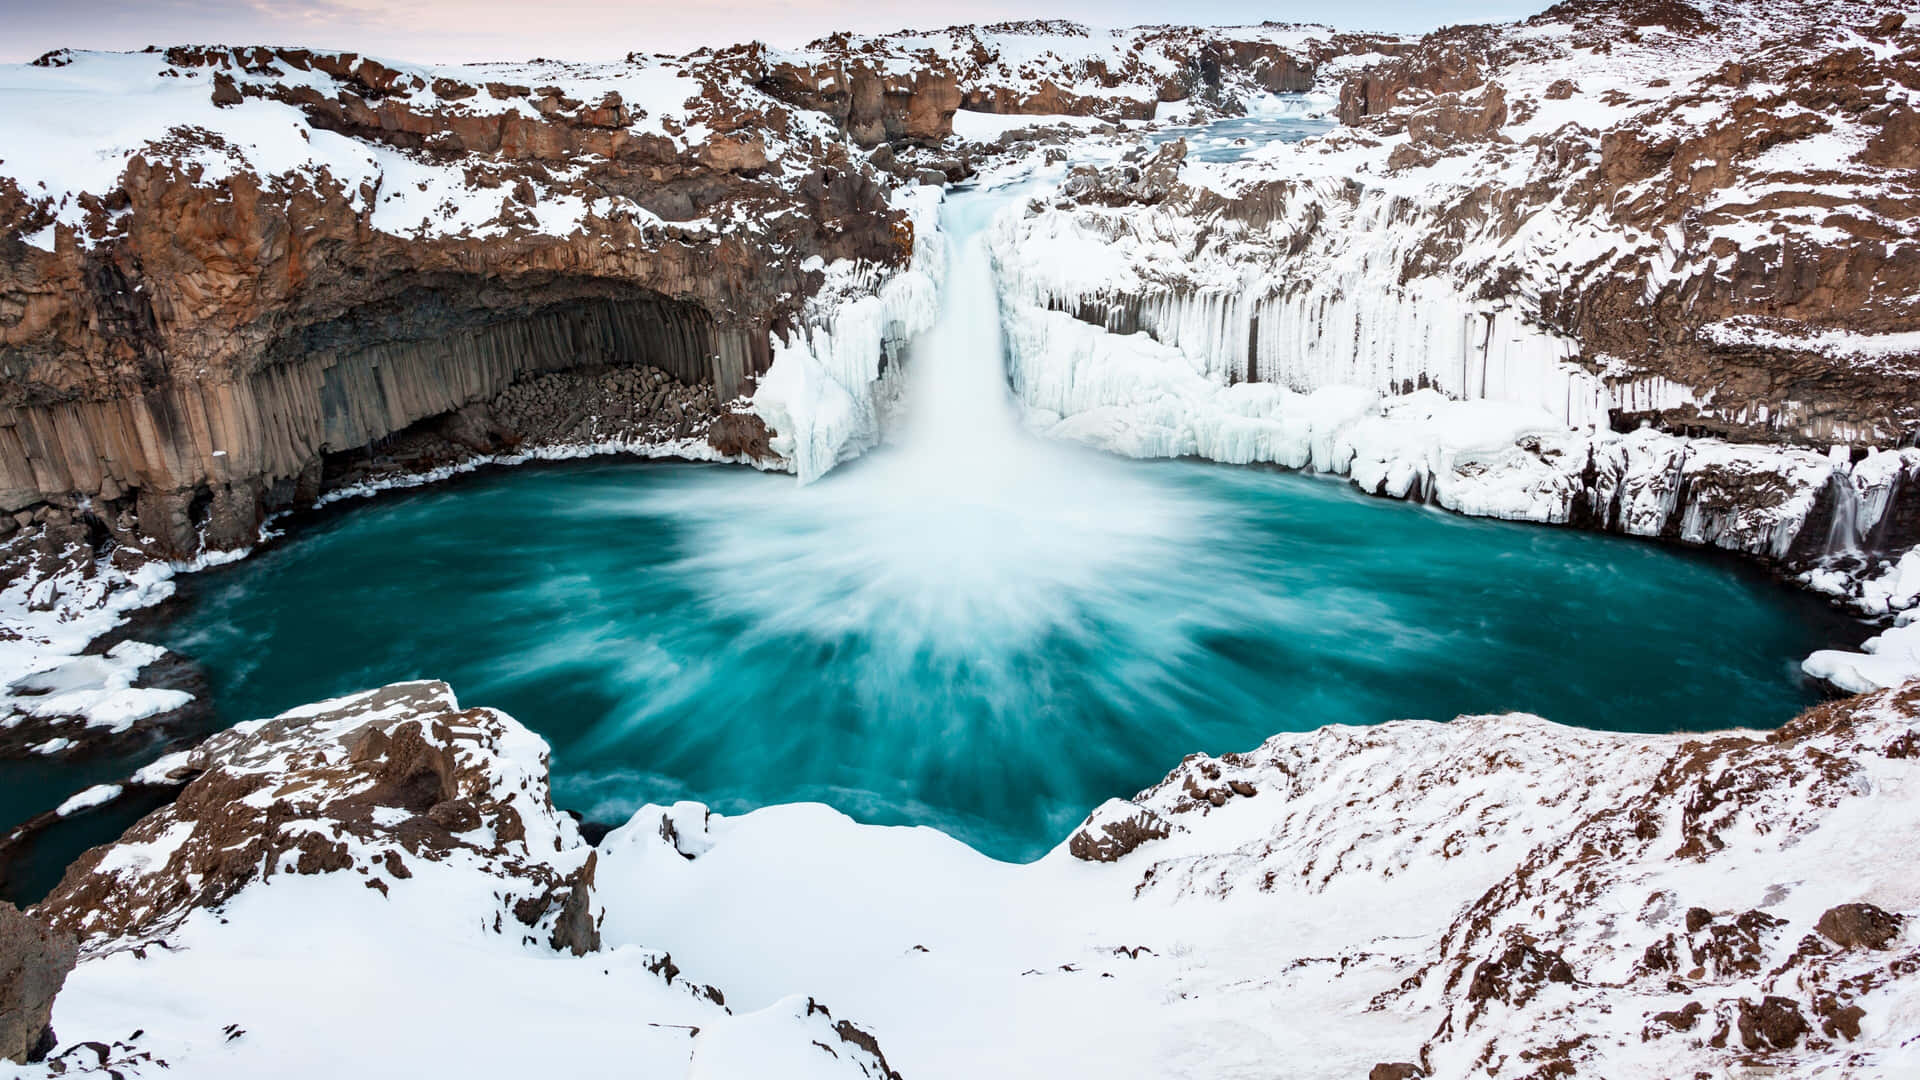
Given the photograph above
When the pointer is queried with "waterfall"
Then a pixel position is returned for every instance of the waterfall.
(1843, 532)
(958, 404)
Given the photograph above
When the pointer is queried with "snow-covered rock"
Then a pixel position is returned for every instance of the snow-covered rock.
(380, 884)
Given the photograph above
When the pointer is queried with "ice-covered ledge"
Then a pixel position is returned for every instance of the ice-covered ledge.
(1498, 888)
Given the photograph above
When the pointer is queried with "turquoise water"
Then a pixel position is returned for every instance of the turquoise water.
(686, 631)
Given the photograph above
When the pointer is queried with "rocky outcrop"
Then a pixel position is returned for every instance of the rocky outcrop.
(389, 855)
(34, 963)
(905, 87)
(372, 784)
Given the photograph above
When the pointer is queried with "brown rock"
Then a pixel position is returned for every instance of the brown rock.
(1859, 926)
(1451, 117)
(1111, 839)
(1774, 1024)
(1897, 144)
(225, 92)
(34, 963)
(735, 154)
(415, 774)
(455, 816)
(303, 793)
(1396, 1070)
(1683, 1018)
(574, 930)
(742, 434)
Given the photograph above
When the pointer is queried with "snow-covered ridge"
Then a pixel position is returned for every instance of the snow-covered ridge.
(1063, 67)
(77, 120)
(1515, 892)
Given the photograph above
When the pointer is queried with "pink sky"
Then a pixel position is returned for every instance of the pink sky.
(455, 30)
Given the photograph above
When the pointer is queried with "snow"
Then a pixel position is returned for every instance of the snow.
(402, 986)
(1195, 958)
(68, 132)
(1274, 924)
(1887, 659)
(988, 127)
(1840, 344)
(139, 859)
(399, 979)
(98, 689)
(97, 795)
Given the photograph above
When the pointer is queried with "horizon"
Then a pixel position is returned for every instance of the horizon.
(601, 30)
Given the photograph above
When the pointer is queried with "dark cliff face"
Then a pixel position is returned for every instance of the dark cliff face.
(191, 349)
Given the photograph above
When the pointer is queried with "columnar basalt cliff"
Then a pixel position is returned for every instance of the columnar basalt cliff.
(309, 252)
(1715, 232)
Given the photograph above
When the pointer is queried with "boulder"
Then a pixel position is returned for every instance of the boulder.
(1859, 926)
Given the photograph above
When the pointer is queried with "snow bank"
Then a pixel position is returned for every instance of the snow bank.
(436, 921)
(988, 127)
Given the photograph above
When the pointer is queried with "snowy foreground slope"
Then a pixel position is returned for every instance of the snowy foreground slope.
(378, 886)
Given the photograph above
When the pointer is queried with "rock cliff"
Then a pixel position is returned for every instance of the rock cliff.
(288, 254)
(279, 254)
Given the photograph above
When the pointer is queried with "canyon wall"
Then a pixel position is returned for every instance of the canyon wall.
(312, 252)
(1718, 246)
